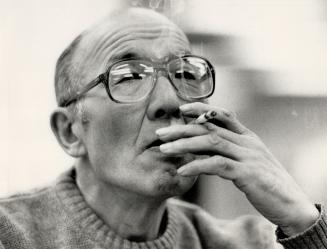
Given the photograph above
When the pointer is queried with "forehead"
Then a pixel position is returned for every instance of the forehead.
(155, 42)
(143, 33)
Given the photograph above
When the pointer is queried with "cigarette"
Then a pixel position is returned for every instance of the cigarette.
(205, 117)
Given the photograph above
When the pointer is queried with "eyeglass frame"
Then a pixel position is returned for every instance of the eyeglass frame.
(104, 79)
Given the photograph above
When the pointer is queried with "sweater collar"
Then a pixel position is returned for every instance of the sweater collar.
(86, 219)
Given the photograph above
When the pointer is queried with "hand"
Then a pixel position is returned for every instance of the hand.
(237, 154)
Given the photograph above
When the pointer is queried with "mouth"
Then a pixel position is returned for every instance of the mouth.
(154, 145)
(176, 160)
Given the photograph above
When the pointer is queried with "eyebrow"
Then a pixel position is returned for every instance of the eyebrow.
(125, 56)
(122, 56)
(134, 55)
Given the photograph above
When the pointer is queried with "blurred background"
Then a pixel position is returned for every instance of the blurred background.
(270, 61)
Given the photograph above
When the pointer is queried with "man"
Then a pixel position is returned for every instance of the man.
(128, 91)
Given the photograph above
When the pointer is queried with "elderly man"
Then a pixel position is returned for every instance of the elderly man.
(129, 90)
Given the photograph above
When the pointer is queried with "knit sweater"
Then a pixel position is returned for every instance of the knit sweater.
(59, 217)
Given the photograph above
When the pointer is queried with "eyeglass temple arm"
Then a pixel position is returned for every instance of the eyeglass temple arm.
(84, 90)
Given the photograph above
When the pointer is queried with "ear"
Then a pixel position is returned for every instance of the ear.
(63, 124)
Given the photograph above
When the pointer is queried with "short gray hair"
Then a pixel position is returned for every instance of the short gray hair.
(66, 73)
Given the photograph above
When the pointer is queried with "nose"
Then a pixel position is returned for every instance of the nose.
(164, 101)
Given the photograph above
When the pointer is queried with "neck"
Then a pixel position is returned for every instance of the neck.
(130, 215)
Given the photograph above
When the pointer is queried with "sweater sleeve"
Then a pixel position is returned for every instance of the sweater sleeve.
(315, 237)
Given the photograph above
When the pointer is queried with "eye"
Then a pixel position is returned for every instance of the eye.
(185, 75)
(128, 78)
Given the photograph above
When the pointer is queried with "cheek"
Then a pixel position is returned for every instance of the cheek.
(112, 132)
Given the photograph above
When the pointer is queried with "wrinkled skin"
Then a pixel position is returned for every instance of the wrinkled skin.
(125, 182)
(235, 153)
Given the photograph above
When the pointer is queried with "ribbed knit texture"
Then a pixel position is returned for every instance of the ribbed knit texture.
(97, 230)
(314, 237)
(58, 217)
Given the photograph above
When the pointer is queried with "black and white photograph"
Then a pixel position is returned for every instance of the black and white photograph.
(163, 124)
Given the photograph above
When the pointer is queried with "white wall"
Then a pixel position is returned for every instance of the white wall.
(33, 34)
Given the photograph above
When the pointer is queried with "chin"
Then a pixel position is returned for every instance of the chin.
(155, 176)
(166, 182)
(173, 185)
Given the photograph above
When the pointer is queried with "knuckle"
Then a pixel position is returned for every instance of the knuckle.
(214, 138)
(230, 114)
(210, 127)
(223, 163)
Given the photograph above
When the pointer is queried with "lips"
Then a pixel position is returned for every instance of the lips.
(155, 143)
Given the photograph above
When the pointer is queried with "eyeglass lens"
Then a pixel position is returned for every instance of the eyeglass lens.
(133, 80)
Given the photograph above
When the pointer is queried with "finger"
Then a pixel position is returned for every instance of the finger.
(174, 132)
(248, 142)
(203, 145)
(226, 134)
(228, 118)
(195, 109)
(215, 165)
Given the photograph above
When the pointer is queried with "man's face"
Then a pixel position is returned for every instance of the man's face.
(122, 146)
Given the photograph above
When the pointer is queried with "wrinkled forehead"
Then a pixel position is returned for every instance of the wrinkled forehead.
(139, 32)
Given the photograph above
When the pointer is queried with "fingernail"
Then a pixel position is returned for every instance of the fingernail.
(162, 131)
(181, 171)
(165, 147)
(184, 108)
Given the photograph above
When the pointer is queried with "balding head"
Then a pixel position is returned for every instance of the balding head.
(91, 52)
(113, 136)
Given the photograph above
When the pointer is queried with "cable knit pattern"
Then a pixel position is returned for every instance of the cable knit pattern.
(59, 217)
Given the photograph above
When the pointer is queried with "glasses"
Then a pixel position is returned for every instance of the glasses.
(132, 80)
